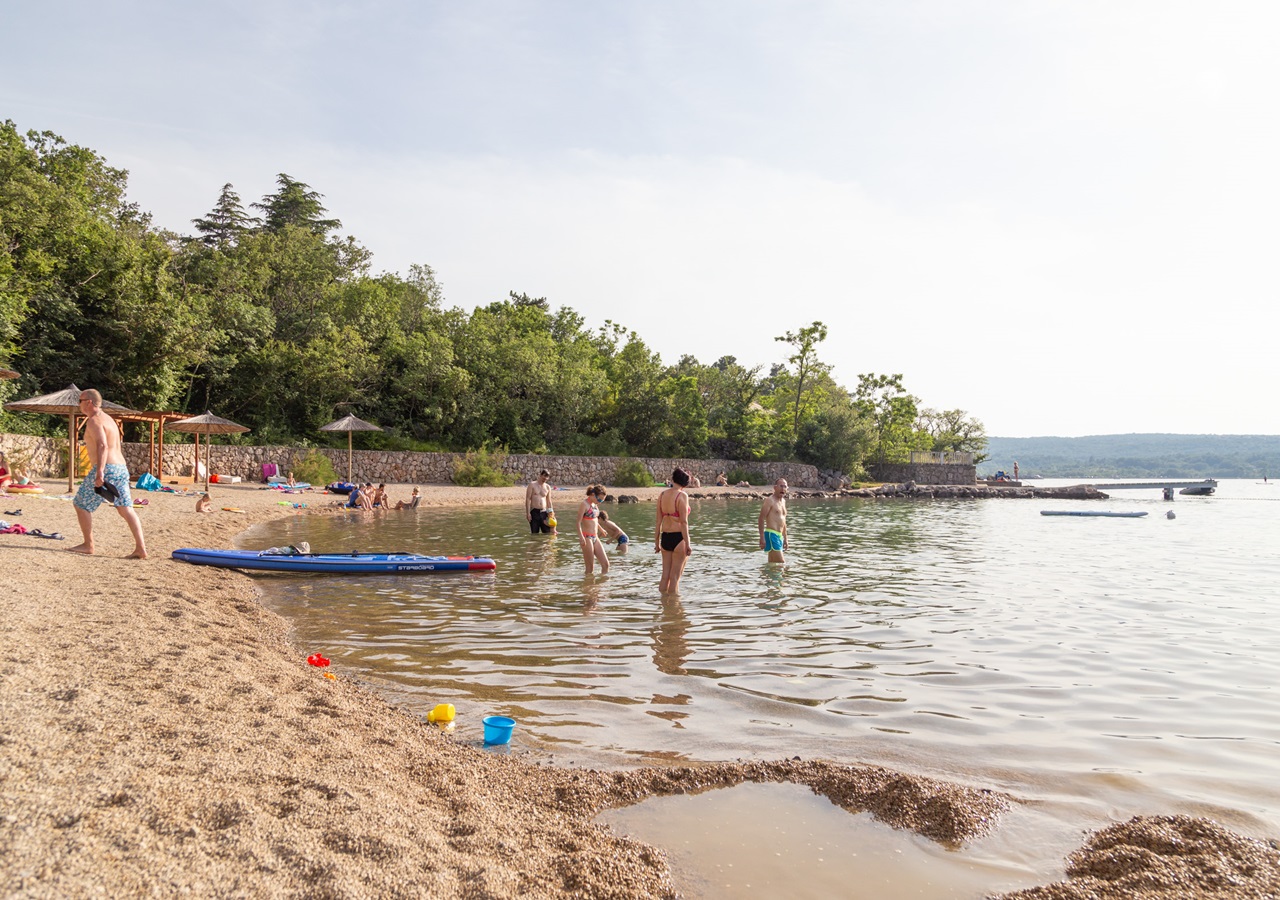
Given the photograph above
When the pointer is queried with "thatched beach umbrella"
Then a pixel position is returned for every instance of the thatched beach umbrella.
(63, 403)
(8, 373)
(206, 424)
(349, 424)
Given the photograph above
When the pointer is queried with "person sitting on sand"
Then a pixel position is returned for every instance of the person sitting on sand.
(353, 498)
(380, 500)
(204, 504)
(412, 502)
(614, 532)
(721, 480)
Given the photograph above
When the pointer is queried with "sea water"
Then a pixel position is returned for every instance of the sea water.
(1094, 668)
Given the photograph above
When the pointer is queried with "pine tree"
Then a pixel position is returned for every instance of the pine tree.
(226, 222)
(295, 204)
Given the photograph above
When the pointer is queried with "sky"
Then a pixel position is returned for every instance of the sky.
(1060, 217)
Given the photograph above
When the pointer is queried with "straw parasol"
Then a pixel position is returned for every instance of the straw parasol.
(8, 373)
(63, 403)
(349, 424)
(206, 424)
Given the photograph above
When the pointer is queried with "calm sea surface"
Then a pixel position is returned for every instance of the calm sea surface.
(1096, 668)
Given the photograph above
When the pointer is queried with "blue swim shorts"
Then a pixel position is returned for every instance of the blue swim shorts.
(113, 474)
(772, 540)
(623, 539)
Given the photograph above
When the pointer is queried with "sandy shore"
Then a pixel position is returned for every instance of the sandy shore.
(160, 735)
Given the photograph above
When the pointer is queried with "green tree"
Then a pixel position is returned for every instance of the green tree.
(837, 438)
(954, 430)
(633, 406)
(683, 430)
(416, 381)
(58, 206)
(226, 222)
(508, 351)
(295, 205)
(891, 411)
(87, 293)
(807, 370)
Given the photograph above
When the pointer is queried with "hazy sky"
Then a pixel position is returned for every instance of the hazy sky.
(1062, 217)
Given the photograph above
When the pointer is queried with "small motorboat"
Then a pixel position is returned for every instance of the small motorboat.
(288, 560)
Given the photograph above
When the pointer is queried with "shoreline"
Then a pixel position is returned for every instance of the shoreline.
(159, 733)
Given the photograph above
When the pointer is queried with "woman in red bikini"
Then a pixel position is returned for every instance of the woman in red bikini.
(589, 530)
(672, 532)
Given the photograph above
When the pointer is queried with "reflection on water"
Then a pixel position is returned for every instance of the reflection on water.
(1127, 664)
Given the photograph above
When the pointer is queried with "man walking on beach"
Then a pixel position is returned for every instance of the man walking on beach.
(537, 505)
(772, 523)
(108, 476)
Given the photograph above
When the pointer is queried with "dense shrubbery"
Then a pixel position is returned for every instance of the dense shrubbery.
(633, 473)
(481, 469)
(313, 467)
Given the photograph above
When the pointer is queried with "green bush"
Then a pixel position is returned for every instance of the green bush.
(481, 468)
(632, 473)
(747, 475)
(313, 468)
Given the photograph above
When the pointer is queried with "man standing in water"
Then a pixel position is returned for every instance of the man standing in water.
(108, 476)
(537, 505)
(773, 522)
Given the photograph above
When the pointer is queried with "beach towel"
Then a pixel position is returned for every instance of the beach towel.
(269, 470)
(15, 528)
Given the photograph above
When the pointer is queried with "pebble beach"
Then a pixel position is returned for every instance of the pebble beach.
(160, 734)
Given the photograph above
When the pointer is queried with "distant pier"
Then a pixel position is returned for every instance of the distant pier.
(1206, 486)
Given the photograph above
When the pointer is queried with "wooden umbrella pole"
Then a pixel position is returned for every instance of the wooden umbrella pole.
(348, 457)
(75, 455)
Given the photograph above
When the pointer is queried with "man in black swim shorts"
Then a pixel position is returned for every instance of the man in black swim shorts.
(538, 508)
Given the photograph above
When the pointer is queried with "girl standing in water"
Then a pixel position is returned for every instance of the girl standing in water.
(589, 530)
(672, 531)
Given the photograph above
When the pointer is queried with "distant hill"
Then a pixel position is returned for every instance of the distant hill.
(1137, 456)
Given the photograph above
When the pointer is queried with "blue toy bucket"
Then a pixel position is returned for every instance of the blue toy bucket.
(497, 729)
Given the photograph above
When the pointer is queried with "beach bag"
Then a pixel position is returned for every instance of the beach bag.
(148, 482)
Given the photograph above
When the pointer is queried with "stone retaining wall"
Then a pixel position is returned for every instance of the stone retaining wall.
(48, 459)
(926, 473)
(40, 457)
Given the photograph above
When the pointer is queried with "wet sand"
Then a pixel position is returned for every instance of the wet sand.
(159, 734)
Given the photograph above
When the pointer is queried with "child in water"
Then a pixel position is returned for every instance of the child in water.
(614, 532)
